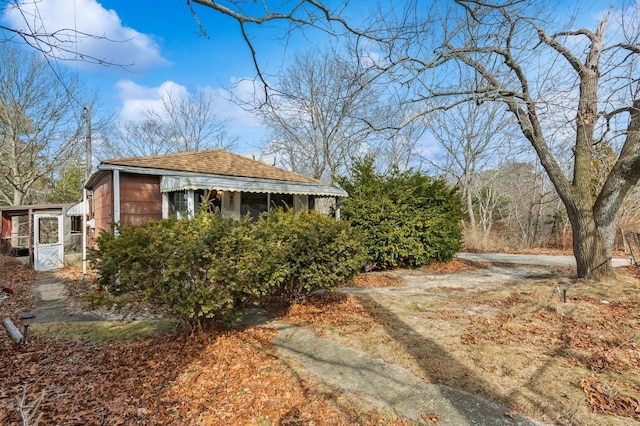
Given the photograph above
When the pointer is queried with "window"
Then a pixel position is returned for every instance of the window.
(76, 224)
(284, 201)
(209, 199)
(20, 231)
(254, 204)
(178, 205)
(48, 230)
(200, 198)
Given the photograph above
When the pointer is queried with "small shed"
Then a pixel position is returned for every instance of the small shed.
(47, 236)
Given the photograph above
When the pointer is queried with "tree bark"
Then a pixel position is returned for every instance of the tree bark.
(18, 197)
(594, 225)
(590, 248)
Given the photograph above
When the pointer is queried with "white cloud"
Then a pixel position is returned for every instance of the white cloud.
(137, 99)
(243, 91)
(113, 43)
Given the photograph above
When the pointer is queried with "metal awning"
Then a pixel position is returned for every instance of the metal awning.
(244, 184)
(76, 209)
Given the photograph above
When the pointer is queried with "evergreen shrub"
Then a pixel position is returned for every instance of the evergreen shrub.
(210, 268)
(404, 218)
(308, 252)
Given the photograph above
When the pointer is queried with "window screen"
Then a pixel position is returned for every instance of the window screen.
(178, 204)
(284, 201)
(48, 230)
(253, 204)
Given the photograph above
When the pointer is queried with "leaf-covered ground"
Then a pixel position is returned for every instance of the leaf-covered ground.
(519, 343)
(573, 363)
(216, 378)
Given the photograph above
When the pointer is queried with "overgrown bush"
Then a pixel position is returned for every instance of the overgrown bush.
(210, 268)
(132, 261)
(405, 218)
(308, 252)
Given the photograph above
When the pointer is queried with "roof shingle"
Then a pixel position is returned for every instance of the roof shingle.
(215, 162)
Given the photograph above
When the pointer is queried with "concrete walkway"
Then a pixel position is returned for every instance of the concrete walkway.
(530, 259)
(388, 386)
(51, 294)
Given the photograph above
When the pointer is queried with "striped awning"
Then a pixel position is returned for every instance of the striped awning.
(244, 184)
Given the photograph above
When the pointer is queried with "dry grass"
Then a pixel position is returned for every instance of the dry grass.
(573, 363)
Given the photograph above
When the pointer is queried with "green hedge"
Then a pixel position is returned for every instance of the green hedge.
(405, 218)
(211, 268)
(309, 252)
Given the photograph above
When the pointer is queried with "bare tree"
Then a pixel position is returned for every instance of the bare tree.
(182, 122)
(141, 138)
(304, 13)
(497, 42)
(400, 148)
(474, 136)
(530, 204)
(489, 205)
(561, 86)
(630, 212)
(39, 121)
(321, 115)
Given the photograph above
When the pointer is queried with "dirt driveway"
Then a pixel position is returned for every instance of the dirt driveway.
(397, 354)
(506, 333)
(530, 259)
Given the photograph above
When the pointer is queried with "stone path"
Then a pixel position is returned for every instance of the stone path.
(51, 297)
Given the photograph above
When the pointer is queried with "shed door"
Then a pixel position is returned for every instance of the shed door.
(48, 242)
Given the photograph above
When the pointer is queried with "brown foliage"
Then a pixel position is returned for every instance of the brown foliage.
(606, 400)
(376, 279)
(216, 378)
(16, 278)
(334, 309)
(455, 265)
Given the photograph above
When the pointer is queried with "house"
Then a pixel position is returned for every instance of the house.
(139, 189)
(47, 236)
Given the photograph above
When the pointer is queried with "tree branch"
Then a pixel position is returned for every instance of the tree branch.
(53, 45)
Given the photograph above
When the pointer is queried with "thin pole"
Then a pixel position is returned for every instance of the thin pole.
(87, 116)
(85, 213)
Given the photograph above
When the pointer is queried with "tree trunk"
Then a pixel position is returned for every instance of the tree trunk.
(470, 210)
(18, 197)
(593, 256)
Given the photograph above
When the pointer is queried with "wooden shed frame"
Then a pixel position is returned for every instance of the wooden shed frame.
(20, 242)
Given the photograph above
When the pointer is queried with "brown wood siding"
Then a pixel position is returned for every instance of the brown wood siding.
(103, 204)
(140, 199)
(6, 226)
(5, 241)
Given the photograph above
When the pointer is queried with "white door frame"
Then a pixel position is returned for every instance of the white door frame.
(49, 255)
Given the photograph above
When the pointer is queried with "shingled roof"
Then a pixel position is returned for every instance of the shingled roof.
(214, 162)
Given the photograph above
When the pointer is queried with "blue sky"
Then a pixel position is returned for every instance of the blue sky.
(159, 41)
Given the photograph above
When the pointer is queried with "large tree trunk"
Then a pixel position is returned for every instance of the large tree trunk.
(590, 248)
